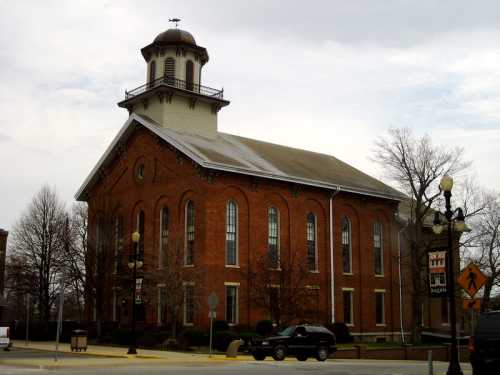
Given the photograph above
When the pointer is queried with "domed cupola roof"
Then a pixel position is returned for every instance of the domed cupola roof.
(174, 38)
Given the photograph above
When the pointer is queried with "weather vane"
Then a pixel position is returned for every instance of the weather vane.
(176, 20)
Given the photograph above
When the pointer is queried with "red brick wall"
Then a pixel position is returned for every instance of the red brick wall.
(173, 179)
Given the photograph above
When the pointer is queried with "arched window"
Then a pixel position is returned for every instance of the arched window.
(152, 73)
(312, 263)
(141, 217)
(189, 75)
(273, 236)
(378, 252)
(162, 256)
(189, 255)
(169, 71)
(346, 245)
(231, 233)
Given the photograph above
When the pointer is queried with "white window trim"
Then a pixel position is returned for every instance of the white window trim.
(278, 244)
(351, 290)
(316, 254)
(237, 285)
(184, 323)
(381, 274)
(186, 233)
(383, 324)
(237, 265)
(350, 245)
(160, 258)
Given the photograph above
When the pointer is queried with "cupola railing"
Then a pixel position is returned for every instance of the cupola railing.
(178, 84)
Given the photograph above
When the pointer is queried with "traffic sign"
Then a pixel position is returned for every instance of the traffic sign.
(213, 300)
(471, 279)
(474, 303)
(212, 314)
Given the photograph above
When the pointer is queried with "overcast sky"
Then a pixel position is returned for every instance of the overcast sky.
(328, 76)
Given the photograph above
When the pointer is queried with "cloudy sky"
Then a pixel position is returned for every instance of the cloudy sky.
(328, 76)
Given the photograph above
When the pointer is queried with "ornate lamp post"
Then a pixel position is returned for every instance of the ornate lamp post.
(133, 264)
(455, 223)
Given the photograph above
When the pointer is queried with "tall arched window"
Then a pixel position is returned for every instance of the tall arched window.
(169, 71)
(312, 262)
(152, 72)
(346, 245)
(118, 224)
(189, 256)
(378, 252)
(189, 75)
(141, 220)
(273, 236)
(162, 256)
(231, 233)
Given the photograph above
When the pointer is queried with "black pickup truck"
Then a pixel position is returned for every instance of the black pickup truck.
(484, 345)
(301, 341)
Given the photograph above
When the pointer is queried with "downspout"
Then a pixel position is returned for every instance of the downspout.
(332, 258)
(401, 285)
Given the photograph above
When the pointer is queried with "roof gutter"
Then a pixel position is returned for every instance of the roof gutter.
(332, 257)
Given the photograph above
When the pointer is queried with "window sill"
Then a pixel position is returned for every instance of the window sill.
(188, 265)
(380, 325)
(380, 276)
(349, 324)
(232, 266)
(232, 324)
(188, 324)
(347, 274)
(315, 271)
(445, 324)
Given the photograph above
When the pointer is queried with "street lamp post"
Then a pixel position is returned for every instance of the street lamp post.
(456, 224)
(133, 264)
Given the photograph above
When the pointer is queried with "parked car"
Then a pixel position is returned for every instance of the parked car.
(484, 345)
(301, 341)
(5, 338)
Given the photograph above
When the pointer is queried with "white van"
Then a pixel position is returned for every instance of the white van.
(5, 338)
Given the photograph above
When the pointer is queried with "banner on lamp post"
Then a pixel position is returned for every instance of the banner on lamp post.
(437, 273)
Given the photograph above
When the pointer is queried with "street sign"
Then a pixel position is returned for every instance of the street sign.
(212, 314)
(213, 300)
(474, 303)
(471, 279)
(437, 273)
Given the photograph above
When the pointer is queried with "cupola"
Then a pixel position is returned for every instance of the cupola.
(173, 95)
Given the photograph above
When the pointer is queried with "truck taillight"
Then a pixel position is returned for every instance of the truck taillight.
(472, 344)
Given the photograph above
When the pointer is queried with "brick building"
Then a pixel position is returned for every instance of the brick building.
(227, 202)
(3, 251)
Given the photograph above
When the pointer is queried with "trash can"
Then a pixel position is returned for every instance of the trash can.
(79, 340)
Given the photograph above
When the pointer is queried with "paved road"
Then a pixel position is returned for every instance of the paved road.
(337, 367)
(21, 353)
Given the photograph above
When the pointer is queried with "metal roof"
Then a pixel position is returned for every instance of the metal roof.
(227, 152)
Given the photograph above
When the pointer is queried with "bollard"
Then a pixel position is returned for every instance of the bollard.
(429, 360)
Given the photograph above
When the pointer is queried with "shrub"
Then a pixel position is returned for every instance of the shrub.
(341, 332)
(246, 337)
(220, 325)
(121, 336)
(264, 327)
(222, 339)
(193, 337)
(147, 340)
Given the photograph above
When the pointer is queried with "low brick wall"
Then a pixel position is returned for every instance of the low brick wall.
(415, 353)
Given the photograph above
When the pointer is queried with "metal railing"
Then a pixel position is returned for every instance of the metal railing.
(177, 83)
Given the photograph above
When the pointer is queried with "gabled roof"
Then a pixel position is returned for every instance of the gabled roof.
(231, 153)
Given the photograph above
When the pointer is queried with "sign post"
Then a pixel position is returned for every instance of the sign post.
(213, 300)
(471, 280)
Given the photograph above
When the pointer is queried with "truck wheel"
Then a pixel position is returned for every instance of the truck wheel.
(301, 357)
(259, 356)
(322, 353)
(279, 353)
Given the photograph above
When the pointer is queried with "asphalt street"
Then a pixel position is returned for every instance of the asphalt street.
(337, 367)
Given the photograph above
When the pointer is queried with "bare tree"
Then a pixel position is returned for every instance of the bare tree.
(38, 241)
(416, 165)
(483, 246)
(282, 292)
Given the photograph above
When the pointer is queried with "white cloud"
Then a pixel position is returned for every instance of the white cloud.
(329, 78)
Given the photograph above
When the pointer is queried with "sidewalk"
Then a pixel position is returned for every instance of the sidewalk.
(108, 356)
